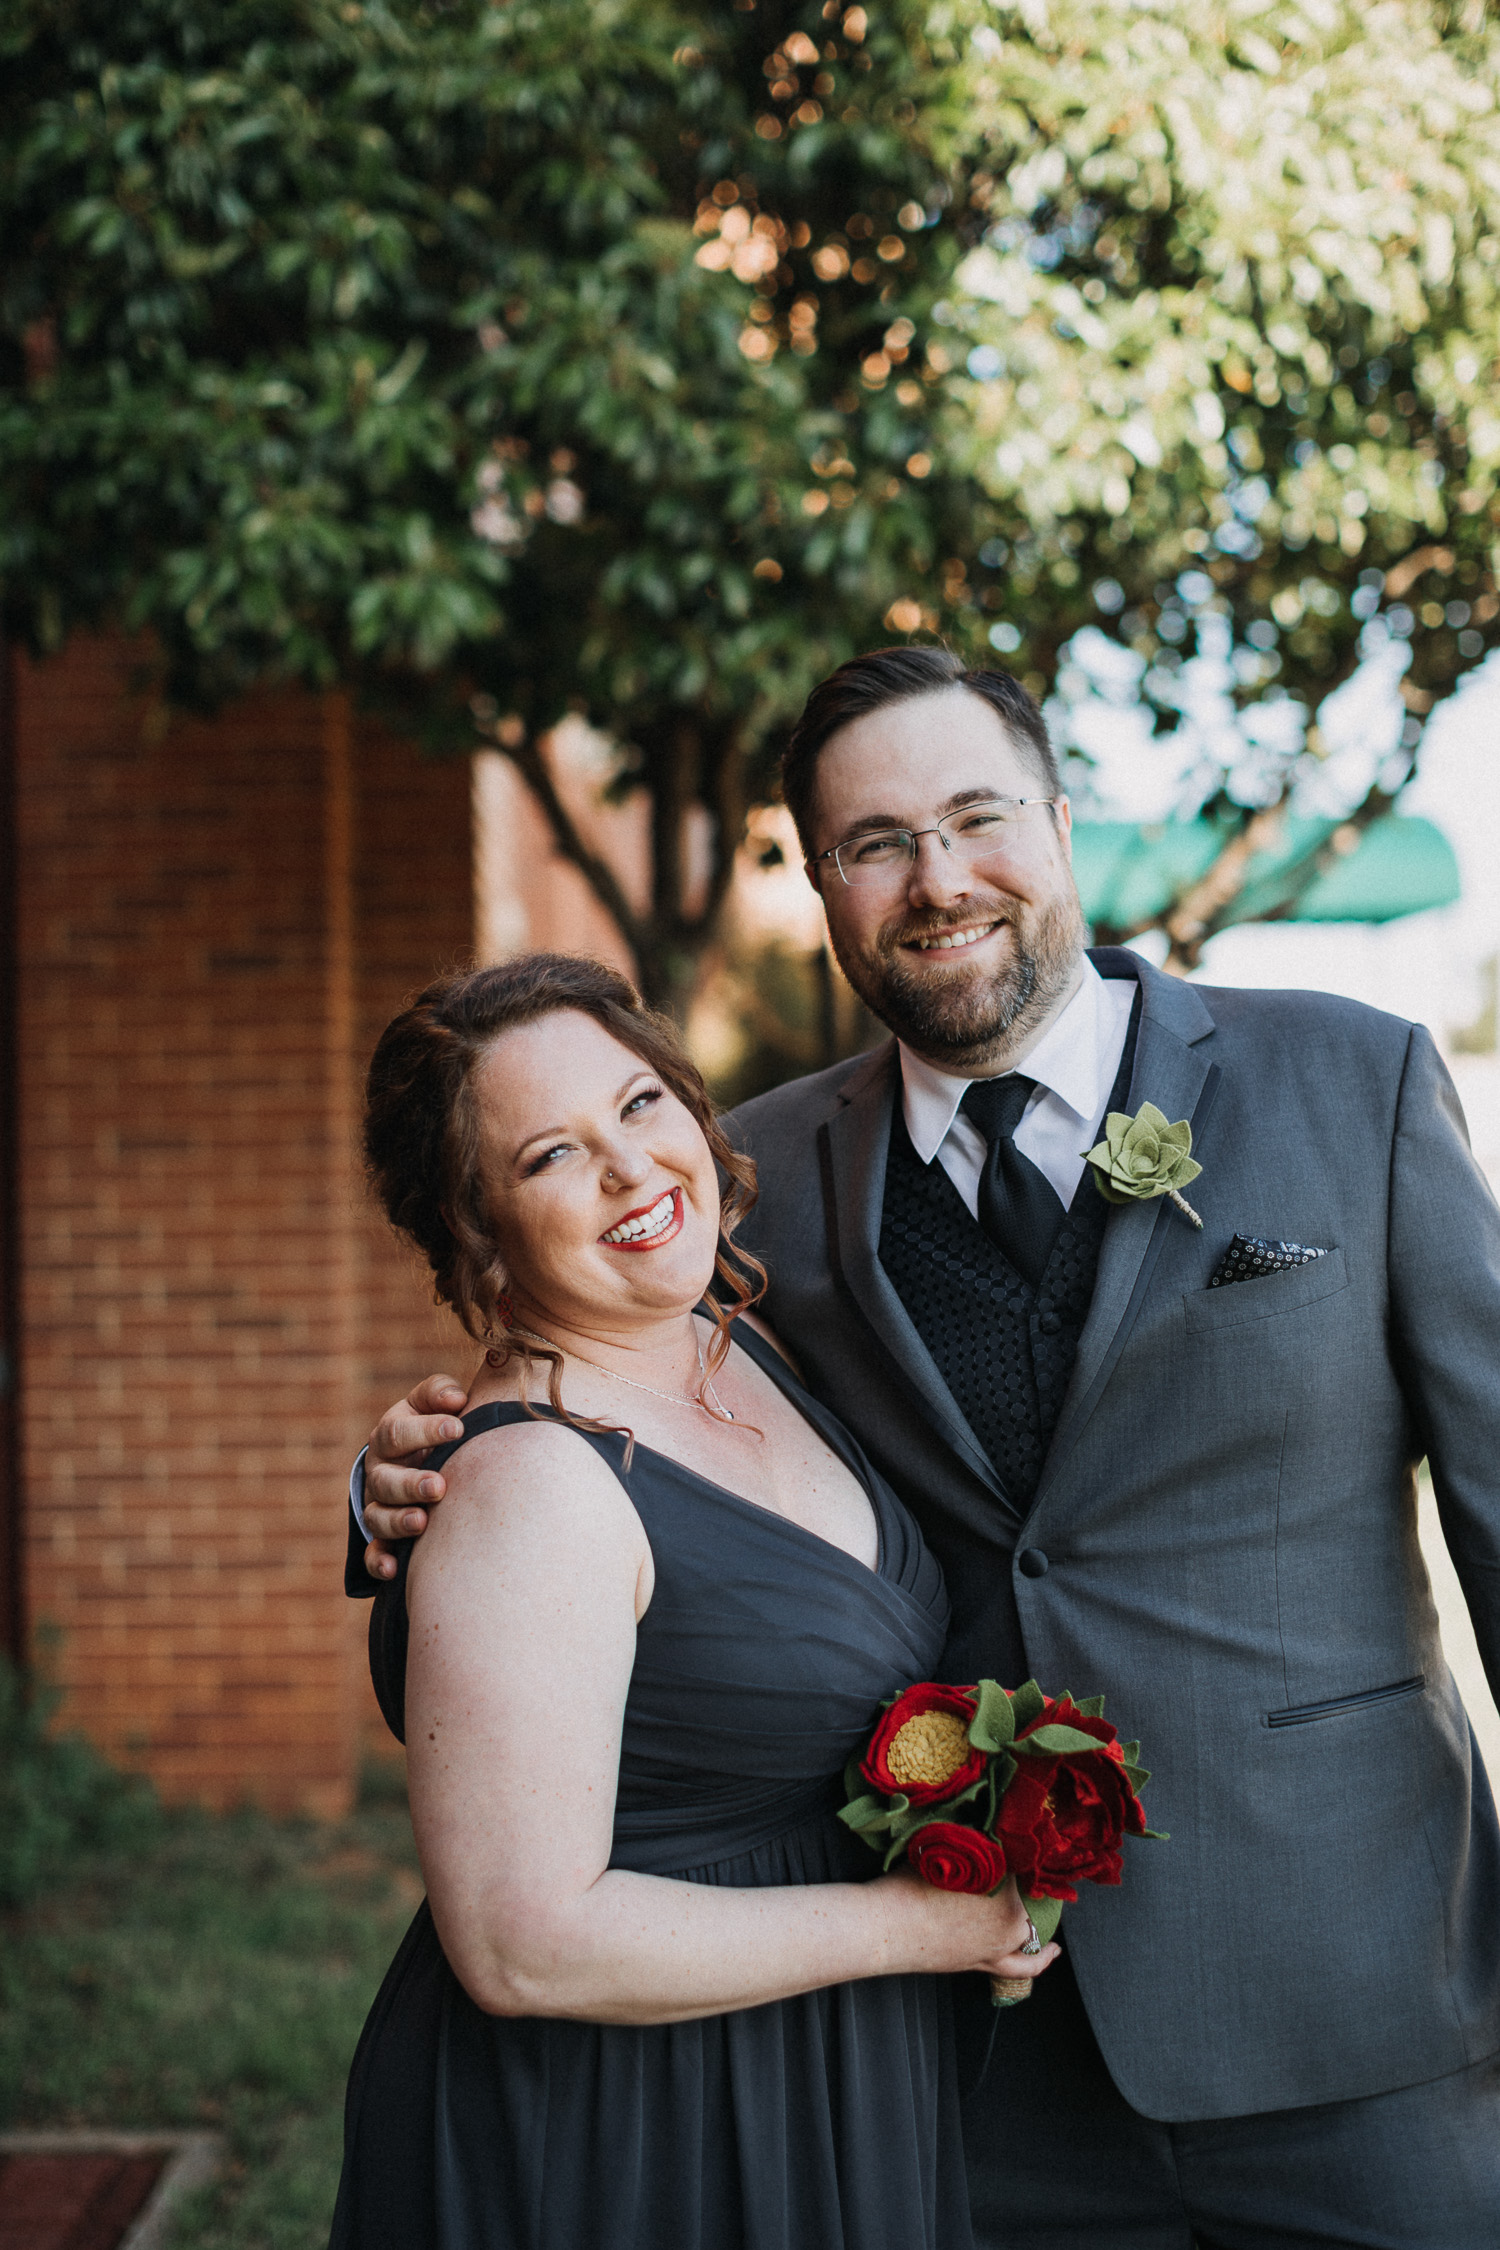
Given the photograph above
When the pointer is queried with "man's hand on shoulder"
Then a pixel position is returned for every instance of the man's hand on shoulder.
(398, 1490)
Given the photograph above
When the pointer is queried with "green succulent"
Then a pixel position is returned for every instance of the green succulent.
(1144, 1156)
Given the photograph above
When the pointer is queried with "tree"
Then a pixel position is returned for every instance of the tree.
(499, 361)
(646, 358)
(1226, 356)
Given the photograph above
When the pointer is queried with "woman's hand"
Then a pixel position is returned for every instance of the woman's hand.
(966, 1931)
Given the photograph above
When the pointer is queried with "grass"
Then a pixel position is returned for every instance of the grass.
(215, 1972)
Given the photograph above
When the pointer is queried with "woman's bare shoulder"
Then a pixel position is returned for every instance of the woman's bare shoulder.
(529, 1480)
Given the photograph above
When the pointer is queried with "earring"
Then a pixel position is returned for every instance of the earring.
(505, 1311)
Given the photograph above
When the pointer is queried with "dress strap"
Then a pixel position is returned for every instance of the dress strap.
(499, 1414)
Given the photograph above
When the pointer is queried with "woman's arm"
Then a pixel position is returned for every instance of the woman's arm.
(524, 1597)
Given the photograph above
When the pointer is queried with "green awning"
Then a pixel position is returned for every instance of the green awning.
(1128, 873)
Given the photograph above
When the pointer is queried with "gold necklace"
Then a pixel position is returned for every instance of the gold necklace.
(673, 1398)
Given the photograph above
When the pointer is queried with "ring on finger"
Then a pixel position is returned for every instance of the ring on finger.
(1033, 1944)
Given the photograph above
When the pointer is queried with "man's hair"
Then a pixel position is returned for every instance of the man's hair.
(897, 675)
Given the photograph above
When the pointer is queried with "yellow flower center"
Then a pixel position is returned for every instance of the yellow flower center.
(929, 1749)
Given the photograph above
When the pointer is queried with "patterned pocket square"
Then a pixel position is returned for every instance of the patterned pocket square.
(1249, 1257)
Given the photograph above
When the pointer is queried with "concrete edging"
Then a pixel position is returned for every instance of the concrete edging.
(192, 2160)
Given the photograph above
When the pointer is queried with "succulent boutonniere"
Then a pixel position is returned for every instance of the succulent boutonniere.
(1142, 1157)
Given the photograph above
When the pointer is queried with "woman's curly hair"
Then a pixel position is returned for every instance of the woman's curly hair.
(423, 1136)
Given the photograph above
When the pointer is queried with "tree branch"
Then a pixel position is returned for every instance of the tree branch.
(1196, 915)
(1202, 912)
(728, 809)
(601, 878)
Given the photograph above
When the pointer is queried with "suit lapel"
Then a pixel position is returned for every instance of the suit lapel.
(858, 1139)
(1173, 1069)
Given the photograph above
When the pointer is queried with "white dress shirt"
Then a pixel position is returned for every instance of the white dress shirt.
(1075, 1063)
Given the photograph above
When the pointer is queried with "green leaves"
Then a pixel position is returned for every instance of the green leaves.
(1143, 1157)
(1218, 328)
(1028, 1703)
(1056, 1741)
(994, 1723)
(499, 357)
(1046, 1914)
(379, 345)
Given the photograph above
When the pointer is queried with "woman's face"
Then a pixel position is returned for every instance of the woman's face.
(601, 1187)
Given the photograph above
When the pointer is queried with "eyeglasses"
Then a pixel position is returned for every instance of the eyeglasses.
(972, 834)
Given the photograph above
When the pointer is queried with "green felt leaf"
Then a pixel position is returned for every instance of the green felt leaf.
(865, 1812)
(1158, 1835)
(1092, 1706)
(1057, 1741)
(1028, 1703)
(1143, 1157)
(1111, 1194)
(1130, 1752)
(1046, 1913)
(993, 1725)
(910, 1818)
(931, 1815)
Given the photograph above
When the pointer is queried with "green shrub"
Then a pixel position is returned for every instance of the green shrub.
(58, 1798)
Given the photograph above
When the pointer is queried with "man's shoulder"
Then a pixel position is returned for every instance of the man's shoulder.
(1314, 1018)
(796, 1110)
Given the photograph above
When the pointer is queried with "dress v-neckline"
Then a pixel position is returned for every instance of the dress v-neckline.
(783, 1377)
(774, 1515)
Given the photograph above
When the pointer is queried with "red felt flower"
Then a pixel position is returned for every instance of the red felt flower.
(921, 1748)
(1061, 1820)
(952, 1858)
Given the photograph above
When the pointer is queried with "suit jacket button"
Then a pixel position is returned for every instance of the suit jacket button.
(1049, 1323)
(1033, 1563)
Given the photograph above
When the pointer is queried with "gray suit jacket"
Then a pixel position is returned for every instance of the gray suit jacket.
(1224, 1538)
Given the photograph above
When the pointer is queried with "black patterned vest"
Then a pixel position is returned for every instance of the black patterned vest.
(1005, 1350)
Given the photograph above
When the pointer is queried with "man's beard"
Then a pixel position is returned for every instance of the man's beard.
(964, 1023)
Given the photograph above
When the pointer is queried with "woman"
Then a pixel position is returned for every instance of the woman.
(658, 1996)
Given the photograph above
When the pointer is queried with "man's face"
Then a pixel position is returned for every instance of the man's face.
(961, 960)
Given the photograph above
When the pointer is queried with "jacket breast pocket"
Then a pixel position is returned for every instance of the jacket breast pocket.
(1273, 1293)
(1335, 1706)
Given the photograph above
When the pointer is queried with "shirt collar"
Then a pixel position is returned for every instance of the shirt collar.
(1068, 1060)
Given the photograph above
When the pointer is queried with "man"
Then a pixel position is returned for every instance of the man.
(1170, 1463)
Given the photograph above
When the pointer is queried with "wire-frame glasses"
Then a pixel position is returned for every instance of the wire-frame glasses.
(972, 834)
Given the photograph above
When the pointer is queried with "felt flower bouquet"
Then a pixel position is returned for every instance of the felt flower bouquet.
(973, 1784)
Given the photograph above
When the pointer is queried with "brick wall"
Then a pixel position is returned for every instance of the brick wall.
(413, 917)
(215, 917)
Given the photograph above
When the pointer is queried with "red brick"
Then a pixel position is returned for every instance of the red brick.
(217, 918)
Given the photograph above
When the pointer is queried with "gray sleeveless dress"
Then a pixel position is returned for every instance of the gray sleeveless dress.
(826, 2122)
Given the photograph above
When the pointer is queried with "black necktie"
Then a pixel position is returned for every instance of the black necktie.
(1019, 1209)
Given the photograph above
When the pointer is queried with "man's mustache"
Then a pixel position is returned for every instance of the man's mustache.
(937, 925)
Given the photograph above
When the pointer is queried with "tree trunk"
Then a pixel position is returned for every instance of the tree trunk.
(686, 765)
